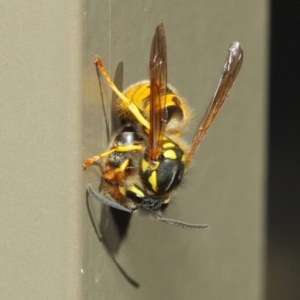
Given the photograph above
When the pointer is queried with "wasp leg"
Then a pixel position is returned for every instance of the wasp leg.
(113, 174)
(126, 148)
(132, 108)
(123, 167)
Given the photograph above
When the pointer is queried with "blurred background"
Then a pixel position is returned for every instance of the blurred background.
(283, 212)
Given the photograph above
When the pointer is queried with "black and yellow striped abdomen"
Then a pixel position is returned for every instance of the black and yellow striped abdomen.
(139, 94)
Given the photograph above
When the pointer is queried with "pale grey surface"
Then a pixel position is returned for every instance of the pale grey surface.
(50, 99)
(41, 139)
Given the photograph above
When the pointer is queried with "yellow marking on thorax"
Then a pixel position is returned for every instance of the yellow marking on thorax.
(153, 181)
(153, 166)
(170, 154)
(168, 145)
(144, 165)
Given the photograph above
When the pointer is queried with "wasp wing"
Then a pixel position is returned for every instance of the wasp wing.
(229, 74)
(158, 86)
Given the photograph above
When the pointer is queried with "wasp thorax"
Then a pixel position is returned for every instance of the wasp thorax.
(167, 172)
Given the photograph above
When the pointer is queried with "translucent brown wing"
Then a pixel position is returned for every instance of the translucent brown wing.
(158, 86)
(229, 74)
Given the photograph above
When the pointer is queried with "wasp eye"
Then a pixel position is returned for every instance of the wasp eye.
(138, 199)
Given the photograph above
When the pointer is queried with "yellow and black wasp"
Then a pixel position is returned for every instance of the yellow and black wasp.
(148, 158)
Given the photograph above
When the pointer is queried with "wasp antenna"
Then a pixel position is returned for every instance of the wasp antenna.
(106, 201)
(181, 224)
(108, 131)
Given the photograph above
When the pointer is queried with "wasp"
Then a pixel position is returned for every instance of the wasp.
(147, 158)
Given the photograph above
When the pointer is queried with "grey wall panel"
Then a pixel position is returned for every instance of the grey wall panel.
(41, 138)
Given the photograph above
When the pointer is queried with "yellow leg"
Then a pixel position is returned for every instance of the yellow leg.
(91, 160)
(116, 175)
(132, 108)
(123, 166)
